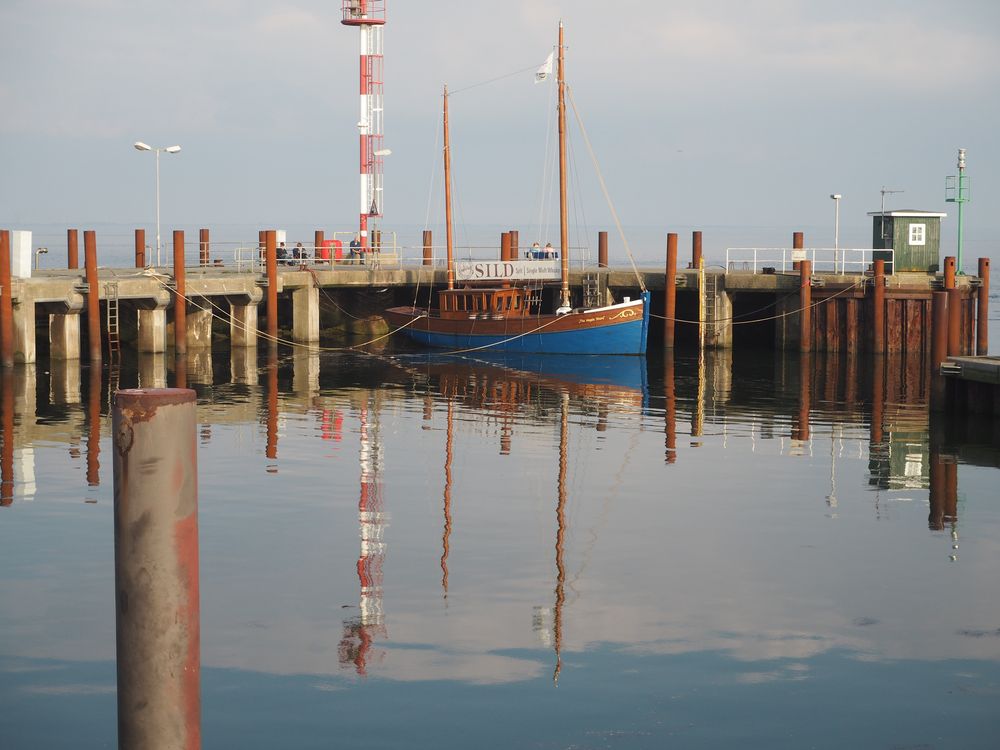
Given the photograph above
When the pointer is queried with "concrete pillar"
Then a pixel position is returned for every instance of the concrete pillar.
(199, 325)
(24, 332)
(153, 369)
(64, 336)
(305, 315)
(243, 326)
(152, 331)
(718, 316)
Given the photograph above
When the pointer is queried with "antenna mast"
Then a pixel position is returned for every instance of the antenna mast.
(369, 17)
(886, 191)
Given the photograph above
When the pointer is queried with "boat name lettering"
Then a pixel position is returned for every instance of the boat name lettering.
(488, 270)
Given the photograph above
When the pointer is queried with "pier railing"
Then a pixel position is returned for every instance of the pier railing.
(842, 260)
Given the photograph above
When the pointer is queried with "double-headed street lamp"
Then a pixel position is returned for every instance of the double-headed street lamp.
(140, 146)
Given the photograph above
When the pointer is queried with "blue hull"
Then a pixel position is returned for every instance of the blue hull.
(627, 338)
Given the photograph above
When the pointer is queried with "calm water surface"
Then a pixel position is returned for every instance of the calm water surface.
(402, 551)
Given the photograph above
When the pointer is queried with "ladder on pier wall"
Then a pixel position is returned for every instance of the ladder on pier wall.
(114, 338)
(591, 291)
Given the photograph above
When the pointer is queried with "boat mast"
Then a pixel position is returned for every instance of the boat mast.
(563, 217)
(447, 194)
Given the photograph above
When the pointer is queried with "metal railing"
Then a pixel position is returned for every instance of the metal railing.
(824, 259)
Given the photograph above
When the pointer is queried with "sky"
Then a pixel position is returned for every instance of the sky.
(733, 113)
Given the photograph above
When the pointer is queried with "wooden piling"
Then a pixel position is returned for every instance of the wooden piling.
(204, 250)
(878, 307)
(156, 568)
(805, 305)
(949, 272)
(954, 322)
(696, 249)
(140, 248)
(180, 295)
(428, 248)
(93, 296)
(670, 292)
(798, 242)
(602, 249)
(983, 312)
(271, 263)
(6, 303)
(72, 249)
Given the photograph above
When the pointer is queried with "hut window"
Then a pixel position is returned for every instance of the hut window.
(918, 234)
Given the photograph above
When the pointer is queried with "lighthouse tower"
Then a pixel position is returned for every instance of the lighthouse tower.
(369, 17)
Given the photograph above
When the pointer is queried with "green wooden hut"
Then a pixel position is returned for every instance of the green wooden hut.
(913, 236)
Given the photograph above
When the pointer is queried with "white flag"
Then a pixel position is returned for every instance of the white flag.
(545, 70)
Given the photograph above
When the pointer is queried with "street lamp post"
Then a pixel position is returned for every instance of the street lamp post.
(140, 146)
(836, 232)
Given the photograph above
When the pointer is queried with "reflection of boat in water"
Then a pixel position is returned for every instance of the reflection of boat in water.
(501, 305)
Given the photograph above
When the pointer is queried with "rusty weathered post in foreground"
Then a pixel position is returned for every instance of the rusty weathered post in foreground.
(805, 302)
(878, 307)
(428, 248)
(140, 248)
(271, 262)
(72, 249)
(602, 249)
(670, 292)
(954, 322)
(6, 303)
(93, 296)
(696, 250)
(180, 295)
(319, 236)
(156, 569)
(983, 311)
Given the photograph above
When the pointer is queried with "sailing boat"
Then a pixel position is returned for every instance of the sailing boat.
(492, 312)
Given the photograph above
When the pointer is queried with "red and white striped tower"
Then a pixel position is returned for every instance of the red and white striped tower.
(369, 17)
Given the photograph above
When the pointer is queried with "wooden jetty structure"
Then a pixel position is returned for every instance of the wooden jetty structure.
(808, 305)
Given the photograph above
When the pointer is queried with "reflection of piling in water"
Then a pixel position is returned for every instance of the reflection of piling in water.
(94, 427)
(943, 496)
(446, 534)
(800, 431)
(560, 539)
(6, 436)
(670, 408)
(156, 569)
(271, 450)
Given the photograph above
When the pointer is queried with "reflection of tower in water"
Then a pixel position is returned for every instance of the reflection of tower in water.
(360, 632)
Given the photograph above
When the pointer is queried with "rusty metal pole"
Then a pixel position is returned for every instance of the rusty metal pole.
(949, 272)
(695, 249)
(204, 248)
(318, 238)
(504, 246)
(878, 307)
(6, 303)
(156, 569)
(983, 311)
(6, 436)
(954, 322)
(939, 346)
(805, 303)
(72, 249)
(798, 242)
(94, 427)
(140, 248)
(670, 292)
(180, 296)
(428, 248)
(514, 246)
(93, 296)
(602, 249)
(271, 262)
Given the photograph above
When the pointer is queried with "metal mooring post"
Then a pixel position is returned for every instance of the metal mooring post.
(156, 569)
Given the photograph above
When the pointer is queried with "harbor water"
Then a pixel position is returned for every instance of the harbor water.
(400, 550)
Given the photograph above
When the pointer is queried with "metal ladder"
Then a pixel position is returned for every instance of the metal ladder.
(591, 290)
(114, 340)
